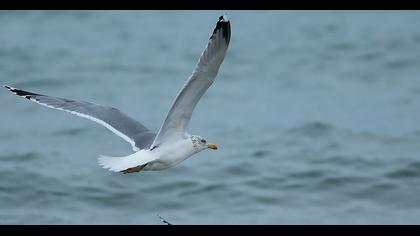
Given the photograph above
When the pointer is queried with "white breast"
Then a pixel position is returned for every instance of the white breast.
(171, 154)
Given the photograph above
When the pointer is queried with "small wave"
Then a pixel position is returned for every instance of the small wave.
(244, 170)
(52, 83)
(399, 64)
(185, 184)
(374, 190)
(371, 56)
(343, 46)
(26, 186)
(412, 170)
(24, 157)
(342, 160)
(311, 174)
(68, 132)
(313, 129)
(206, 189)
(265, 182)
(341, 181)
(416, 91)
(263, 199)
(17, 54)
(261, 153)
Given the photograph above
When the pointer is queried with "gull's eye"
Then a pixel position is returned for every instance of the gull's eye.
(203, 141)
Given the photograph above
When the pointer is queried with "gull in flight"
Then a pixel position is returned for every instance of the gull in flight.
(171, 144)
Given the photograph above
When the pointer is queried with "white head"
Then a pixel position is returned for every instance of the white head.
(200, 143)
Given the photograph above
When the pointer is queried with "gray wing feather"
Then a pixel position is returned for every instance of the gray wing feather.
(127, 128)
(202, 77)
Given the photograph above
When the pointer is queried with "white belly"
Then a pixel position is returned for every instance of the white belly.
(170, 155)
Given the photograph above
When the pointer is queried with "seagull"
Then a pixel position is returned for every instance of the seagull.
(172, 144)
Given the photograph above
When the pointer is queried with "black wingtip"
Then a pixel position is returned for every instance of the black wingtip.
(223, 24)
(11, 89)
(21, 93)
(163, 220)
(223, 18)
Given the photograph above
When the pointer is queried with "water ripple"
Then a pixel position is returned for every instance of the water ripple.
(411, 170)
(313, 129)
(24, 157)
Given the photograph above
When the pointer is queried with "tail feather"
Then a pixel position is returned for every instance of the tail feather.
(118, 164)
(112, 163)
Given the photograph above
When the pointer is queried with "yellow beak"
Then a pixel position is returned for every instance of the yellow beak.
(212, 146)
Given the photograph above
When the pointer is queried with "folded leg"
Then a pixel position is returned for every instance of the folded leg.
(134, 169)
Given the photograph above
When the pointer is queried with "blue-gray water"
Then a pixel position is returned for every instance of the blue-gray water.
(316, 114)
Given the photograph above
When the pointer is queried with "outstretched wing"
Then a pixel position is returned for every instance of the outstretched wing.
(127, 128)
(202, 77)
